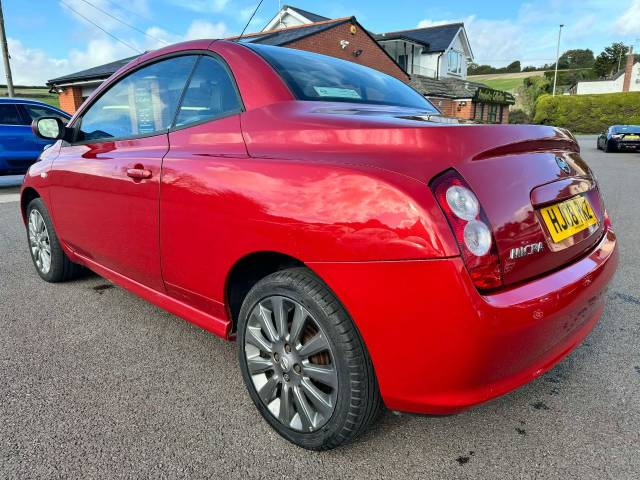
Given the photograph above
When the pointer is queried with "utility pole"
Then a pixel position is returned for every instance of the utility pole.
(5, 54)
(555, 76)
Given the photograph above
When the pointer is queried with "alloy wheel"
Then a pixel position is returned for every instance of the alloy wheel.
(291, 364)
(39, 242)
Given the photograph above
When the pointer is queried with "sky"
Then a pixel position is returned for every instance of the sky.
(47, 39)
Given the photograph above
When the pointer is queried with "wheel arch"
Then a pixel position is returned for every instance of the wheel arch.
(249, 270)
(26, 196)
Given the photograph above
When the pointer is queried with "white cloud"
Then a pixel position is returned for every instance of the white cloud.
(531, 36)
(33, 66)
(202, 29)
(629, 21)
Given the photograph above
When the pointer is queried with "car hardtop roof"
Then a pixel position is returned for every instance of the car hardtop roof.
(31, 102)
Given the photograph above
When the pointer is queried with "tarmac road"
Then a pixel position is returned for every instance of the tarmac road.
(95, 382)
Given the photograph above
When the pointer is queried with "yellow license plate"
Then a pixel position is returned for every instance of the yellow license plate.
(631, 137)
(567, 218)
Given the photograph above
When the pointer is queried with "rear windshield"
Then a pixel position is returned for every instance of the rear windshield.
(311, 76)
(625, 129)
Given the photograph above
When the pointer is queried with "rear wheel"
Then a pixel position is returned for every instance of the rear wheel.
(304, 363)
(50, 261)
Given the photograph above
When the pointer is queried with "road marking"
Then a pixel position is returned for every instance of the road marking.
(10, 198)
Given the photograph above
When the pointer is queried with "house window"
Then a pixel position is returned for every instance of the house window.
(454, 62)
(493, 113)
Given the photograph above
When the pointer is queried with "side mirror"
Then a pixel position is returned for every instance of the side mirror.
(49, 128)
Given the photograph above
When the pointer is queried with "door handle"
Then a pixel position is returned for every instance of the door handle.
(138, 173)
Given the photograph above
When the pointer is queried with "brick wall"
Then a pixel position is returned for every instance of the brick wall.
(445, 105)
(505, 114)
(455, 108)
(463, 108)
(327, 42)
(70, 99)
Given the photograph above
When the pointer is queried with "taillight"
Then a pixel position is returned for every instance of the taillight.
(471, 229)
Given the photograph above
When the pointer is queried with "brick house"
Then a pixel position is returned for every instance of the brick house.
(433, 60)
(342, 38)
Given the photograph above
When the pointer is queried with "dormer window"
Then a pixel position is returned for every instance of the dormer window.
(454, 62)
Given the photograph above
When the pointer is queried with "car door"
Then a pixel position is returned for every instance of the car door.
(105, 185)
(15, 134)
(195, 203)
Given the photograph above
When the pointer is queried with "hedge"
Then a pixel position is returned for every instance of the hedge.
(588, 113)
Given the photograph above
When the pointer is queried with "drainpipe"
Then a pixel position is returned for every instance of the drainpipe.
(438, 65)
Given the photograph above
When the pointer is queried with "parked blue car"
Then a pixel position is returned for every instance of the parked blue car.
(19, 147)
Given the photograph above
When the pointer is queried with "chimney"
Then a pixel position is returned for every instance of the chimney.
(627, 71)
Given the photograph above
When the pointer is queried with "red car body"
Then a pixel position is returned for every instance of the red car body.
(344, 190)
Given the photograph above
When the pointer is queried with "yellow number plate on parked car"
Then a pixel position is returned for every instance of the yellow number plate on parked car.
(568, 218)
(632, 137)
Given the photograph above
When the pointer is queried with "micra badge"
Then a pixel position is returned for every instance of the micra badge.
(526, 250)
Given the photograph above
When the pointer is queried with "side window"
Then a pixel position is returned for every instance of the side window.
(210, 94)
(37, 111)
(142, 103)
(9, 115)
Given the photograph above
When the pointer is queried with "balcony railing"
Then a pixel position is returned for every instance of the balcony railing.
(415, 69)
(420, 70)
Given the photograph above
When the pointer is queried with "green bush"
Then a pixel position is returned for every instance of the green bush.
(519, 116)
(588, 113)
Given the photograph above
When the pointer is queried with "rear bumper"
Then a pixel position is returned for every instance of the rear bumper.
(439, 347)
(626, 145)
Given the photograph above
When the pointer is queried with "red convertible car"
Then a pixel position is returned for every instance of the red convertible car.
(361, 249)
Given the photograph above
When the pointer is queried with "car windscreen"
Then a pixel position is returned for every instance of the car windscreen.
(626, 129)
(316, 77)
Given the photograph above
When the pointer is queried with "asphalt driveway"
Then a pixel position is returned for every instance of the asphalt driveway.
(95, 382)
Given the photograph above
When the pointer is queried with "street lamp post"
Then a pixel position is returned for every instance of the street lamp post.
(555, 75)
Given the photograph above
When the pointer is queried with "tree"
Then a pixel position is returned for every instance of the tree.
(611, 57)
(566, 78)
(577, 58)
(475, 69)
(513, 67)
(530, 90)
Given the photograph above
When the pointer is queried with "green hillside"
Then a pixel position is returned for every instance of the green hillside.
(40, 94)
(507, 84)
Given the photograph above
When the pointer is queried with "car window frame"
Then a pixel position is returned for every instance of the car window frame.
(77, 122)
(236, 90)
(53, 110)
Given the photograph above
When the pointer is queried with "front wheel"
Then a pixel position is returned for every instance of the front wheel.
(303, 361)
(51, 263)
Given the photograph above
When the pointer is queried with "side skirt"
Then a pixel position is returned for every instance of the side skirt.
(218, 326)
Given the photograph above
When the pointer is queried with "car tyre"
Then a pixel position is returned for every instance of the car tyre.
(608, 148)
(285, 316)
(51, 263)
